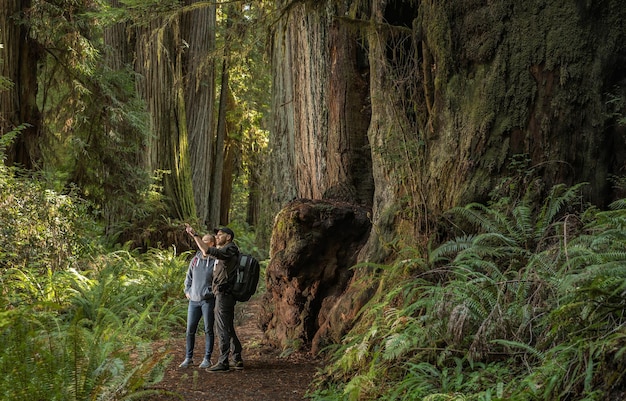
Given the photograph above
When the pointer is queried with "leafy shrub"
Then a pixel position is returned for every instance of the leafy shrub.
(77, 321)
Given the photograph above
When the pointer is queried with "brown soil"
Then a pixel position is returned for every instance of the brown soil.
(267, 374)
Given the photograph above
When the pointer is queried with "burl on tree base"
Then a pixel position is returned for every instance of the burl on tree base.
(314, 245)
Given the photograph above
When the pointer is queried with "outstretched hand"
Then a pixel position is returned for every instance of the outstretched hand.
(190, 230)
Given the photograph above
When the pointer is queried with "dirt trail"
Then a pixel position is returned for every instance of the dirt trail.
(266, 377)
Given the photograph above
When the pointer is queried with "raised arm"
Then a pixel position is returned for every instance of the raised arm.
(198, 238)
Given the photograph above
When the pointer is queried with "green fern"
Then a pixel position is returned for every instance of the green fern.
(528, 305)
(559, 197)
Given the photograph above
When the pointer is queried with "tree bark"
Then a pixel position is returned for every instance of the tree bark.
(18, 104)
(321, 114)
(220, 146)
(198, 30)
(456, 90)
(159, 61)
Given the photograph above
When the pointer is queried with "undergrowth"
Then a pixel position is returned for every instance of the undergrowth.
(524, 303)
(77, 320)
(80, 320)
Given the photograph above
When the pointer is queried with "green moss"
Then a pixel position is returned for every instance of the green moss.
(500, 66)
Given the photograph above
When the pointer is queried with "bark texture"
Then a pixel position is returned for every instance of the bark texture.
(456, 89)
(159, 61)
(321, 116)
(314, 245)
(18, 104)
(198, 32)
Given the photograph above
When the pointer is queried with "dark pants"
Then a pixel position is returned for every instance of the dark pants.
(203, 309)
(225, 319)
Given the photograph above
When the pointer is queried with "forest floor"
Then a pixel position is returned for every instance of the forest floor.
(267, 375)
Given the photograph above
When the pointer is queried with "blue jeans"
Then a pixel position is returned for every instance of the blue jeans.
(203, 309)
(225, 311)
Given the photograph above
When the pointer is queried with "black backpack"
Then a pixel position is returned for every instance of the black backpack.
(245, 278)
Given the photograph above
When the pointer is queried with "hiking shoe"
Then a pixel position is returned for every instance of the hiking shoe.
(186, 363)
(205, 363)
(239, 365)
(218, 367)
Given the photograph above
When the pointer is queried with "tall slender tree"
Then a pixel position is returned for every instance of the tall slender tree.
(220, 147)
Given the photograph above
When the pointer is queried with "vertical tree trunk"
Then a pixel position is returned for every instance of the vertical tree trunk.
(256, 157)
(119, 47)
(198, 28)
(18, 104)
(319, 134)
(232, 155)
(220, 145)
(396, 139)
(457, 88)
(319, 137)
(159, 61)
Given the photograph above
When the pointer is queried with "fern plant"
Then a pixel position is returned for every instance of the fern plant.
(588, 326)
(471, 321)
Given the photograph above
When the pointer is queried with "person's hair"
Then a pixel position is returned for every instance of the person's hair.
(211, 238)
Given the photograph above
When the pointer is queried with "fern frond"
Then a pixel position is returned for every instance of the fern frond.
(449, 249)
(526, 348)
(619, 204)
(397, 345)
(560, 195)
(522, 231)
(481, 216)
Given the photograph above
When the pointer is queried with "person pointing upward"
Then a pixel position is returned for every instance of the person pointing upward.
(227, 254)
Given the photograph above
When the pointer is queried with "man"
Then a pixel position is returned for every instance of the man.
(227, 254)
(199, 292)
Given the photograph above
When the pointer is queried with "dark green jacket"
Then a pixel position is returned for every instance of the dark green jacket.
(225, 265)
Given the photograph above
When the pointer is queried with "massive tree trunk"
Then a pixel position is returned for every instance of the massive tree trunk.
(18, 104)
(159, 62)
(518, 78)
(179, 87)
(198, 31)
(320, 102)
(456, 90)
(320, 150)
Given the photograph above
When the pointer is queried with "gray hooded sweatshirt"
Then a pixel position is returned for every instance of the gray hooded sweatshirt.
(199, 278)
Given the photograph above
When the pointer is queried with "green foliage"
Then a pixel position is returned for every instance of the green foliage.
(526, 304)
(80, 348)
(40, 228)
(77, 322)
(94, 126)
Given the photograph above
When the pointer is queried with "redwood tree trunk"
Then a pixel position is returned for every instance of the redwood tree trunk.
(159, 61)
(320, 103)
(320, 150)
(456, 89)
(198, 31)
(18, 104)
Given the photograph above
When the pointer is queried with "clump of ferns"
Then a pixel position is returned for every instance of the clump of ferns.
(390, 328)
(503, 271)
(586, 331)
